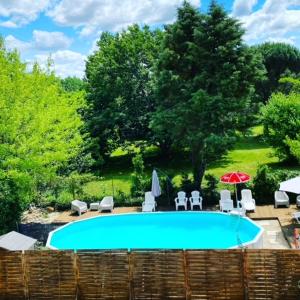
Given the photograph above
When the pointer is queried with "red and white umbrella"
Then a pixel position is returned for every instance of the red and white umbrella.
(235, 178)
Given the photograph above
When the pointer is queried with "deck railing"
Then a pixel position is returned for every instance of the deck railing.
(208, 274)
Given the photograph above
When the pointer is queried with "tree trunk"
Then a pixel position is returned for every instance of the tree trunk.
(199, 166)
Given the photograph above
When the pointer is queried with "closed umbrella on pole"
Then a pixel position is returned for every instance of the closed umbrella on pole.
(155, 189)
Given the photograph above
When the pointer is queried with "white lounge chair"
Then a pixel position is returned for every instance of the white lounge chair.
(78, 206)
(247, 201)
(107, 203)
(181, 200)
(149, 204)
(226, 205)
(281, 198)
(195, 199)
(296, 216)
(225, 195)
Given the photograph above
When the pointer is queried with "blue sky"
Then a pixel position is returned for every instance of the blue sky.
(68, 29)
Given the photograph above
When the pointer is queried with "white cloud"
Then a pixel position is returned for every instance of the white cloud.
(13, 43)
(8, 24)
(45, 40)
(290, 40)
(21, 12)
(66, 63)
(42, 41)
(276, 19)
(242, 7)
(100, 15)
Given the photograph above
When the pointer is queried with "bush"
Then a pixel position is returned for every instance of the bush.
(210, 194)
(64, 201)
(186, 184)
(267, 181)
(140, 183)
(11, 205)
(168, 192)
(281, 120)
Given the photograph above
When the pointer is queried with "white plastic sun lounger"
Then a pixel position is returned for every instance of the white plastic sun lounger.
(181, 200)
(78, 206)
(149, 204)
(107, 203)
(247, 200)
(225, 195)
(281, 198)
(195, 199)
(226, 205)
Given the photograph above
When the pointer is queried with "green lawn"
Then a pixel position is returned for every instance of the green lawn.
(248, 153)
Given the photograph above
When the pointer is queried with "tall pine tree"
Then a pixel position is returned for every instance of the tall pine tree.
(205, 77)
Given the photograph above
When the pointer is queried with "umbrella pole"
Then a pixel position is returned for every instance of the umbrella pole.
(236, 197)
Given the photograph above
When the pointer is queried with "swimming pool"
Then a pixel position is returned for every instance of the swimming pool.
(161, 230)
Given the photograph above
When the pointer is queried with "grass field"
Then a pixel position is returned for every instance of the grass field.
(248, 153)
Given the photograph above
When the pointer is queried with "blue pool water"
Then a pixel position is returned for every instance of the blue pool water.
(169, 230)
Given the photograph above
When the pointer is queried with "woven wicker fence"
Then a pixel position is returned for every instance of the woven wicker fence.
(209, 274)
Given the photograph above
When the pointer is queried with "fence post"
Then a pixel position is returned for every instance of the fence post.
(75, 265)
(245, 273)
(25, 279)
(186, 276)
(130, 275)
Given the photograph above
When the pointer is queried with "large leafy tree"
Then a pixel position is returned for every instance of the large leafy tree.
(39, 125)
(205, 78)
(278, 58)
(73, 84)
(281, 119)
(119, 87)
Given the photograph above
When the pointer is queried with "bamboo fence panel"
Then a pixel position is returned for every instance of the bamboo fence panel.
(103, 275)
(273, 274)
(240, 274)
(50, 275)
(12, 284)
(216, 274)
(158, 275)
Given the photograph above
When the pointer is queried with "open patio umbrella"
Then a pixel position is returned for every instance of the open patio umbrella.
(291, 185)
(235, 178)
(155, 188)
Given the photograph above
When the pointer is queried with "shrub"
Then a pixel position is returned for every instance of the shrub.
(168, 192)
(281, 120)
(64, 201)
(186, 183)
(11, 205)
(210, 194)
(140, 183)
(266, 182)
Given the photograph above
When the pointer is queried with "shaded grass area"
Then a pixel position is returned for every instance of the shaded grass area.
(247, 154)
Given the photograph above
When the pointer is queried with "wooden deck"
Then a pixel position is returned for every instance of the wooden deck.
(262, 212)
(268, 212)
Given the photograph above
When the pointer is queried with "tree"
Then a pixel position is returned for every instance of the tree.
(278, 58)
(281, 120)
(205, 77)
(73, 84)
(119, 87)
(39, 126)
